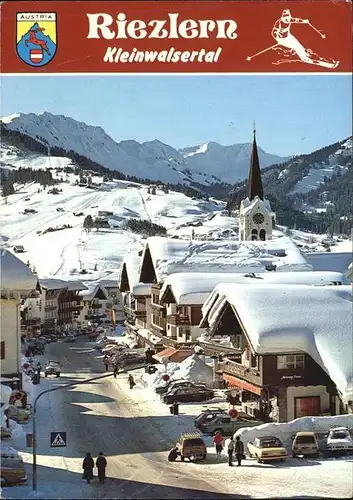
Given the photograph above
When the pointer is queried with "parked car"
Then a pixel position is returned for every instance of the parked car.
(180, 383)
(163, 389)
(188, 394)
(60, 209)
(267, 448)
(130, 358)
(189, 445)
(69, 338)
(226, 425)
(12, 467)
(339, 442)
(52, 368)
(208, 415)
(305, 444)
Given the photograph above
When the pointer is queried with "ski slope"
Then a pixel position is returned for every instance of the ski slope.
(66, 252)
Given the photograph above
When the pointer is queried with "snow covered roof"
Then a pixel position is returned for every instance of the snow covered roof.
(247, 205)
(130, 268)
(108, 283)
(194, 288)
(282, 318)
(15, 275)
(53, 284)
(175, 256)
(141, 289)
(91, 291)
(75, 285)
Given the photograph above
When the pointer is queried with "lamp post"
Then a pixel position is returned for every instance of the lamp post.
(34, 443)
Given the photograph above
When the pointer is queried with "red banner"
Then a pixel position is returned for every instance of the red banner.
(176, 37)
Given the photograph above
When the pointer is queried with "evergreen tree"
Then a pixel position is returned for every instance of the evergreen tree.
(88, 223)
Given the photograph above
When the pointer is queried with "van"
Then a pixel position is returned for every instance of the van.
(305, 444)
(190, 445)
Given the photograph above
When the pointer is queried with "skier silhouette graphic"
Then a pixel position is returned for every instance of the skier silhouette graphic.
(285, 39)
(33, 39)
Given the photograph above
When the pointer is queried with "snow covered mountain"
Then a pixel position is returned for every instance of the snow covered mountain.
(230, 162)
(152, 160)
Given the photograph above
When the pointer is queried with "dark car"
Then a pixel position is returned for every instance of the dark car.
(188, 394)
(207, 415)
(181, 384)
(163, 389)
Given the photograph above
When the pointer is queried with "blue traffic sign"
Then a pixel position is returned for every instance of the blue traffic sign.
(58, 439)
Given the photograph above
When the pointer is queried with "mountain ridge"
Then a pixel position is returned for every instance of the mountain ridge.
(150, 159)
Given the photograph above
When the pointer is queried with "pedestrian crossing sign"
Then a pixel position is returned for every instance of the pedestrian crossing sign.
(57, 439)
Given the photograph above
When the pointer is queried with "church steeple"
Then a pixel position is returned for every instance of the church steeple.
(254, 182)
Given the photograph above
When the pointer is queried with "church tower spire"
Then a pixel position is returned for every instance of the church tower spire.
(255, 182)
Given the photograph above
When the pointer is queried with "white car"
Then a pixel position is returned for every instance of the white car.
(339, 441)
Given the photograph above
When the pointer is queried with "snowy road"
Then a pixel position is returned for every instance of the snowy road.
(105, 417)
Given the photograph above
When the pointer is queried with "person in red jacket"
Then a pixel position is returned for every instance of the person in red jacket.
(218, 440)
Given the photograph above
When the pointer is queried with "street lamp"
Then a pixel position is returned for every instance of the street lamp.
(34, 443)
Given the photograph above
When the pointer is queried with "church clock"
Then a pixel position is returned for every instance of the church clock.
(258, 218)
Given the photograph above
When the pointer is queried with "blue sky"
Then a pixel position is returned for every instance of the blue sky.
(294, 114)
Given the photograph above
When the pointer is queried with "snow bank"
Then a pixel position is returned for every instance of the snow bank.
(285, 431)
(192, 369)
(196, 370)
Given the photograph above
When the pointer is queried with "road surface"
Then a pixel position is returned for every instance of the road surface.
(101, 416)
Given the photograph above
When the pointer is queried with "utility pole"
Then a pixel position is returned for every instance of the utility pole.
(34, 443)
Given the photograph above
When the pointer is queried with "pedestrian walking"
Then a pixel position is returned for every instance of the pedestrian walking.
(218, 441)
(131, 381)
(106, 362)
(230, 450)
(87, 467)
(239, 450)
(101, 464)
(116, 369)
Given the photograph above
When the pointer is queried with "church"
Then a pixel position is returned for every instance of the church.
(256, 218)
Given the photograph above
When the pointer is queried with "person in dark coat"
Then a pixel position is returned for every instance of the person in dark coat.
(116, 369)
(101, 464)
(87, 467)
(239, 450)
(131, 381)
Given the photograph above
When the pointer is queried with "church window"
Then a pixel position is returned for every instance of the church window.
(258, 218)
(254, 234)
(262, 235)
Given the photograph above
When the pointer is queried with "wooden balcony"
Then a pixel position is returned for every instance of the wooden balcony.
(140, 314)
(158, 330)
(251, 375)
(178, 319)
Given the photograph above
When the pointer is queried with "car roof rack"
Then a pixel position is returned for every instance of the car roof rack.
(191, 435)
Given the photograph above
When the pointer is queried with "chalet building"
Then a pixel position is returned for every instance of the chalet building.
(17, 283)
(31, 311)
(136, 299)
(51, 289)
(70, 305)
(93, 301)
(289, 355)
(162, 257)
(182, 296)
(114, 301)
(256, 218)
